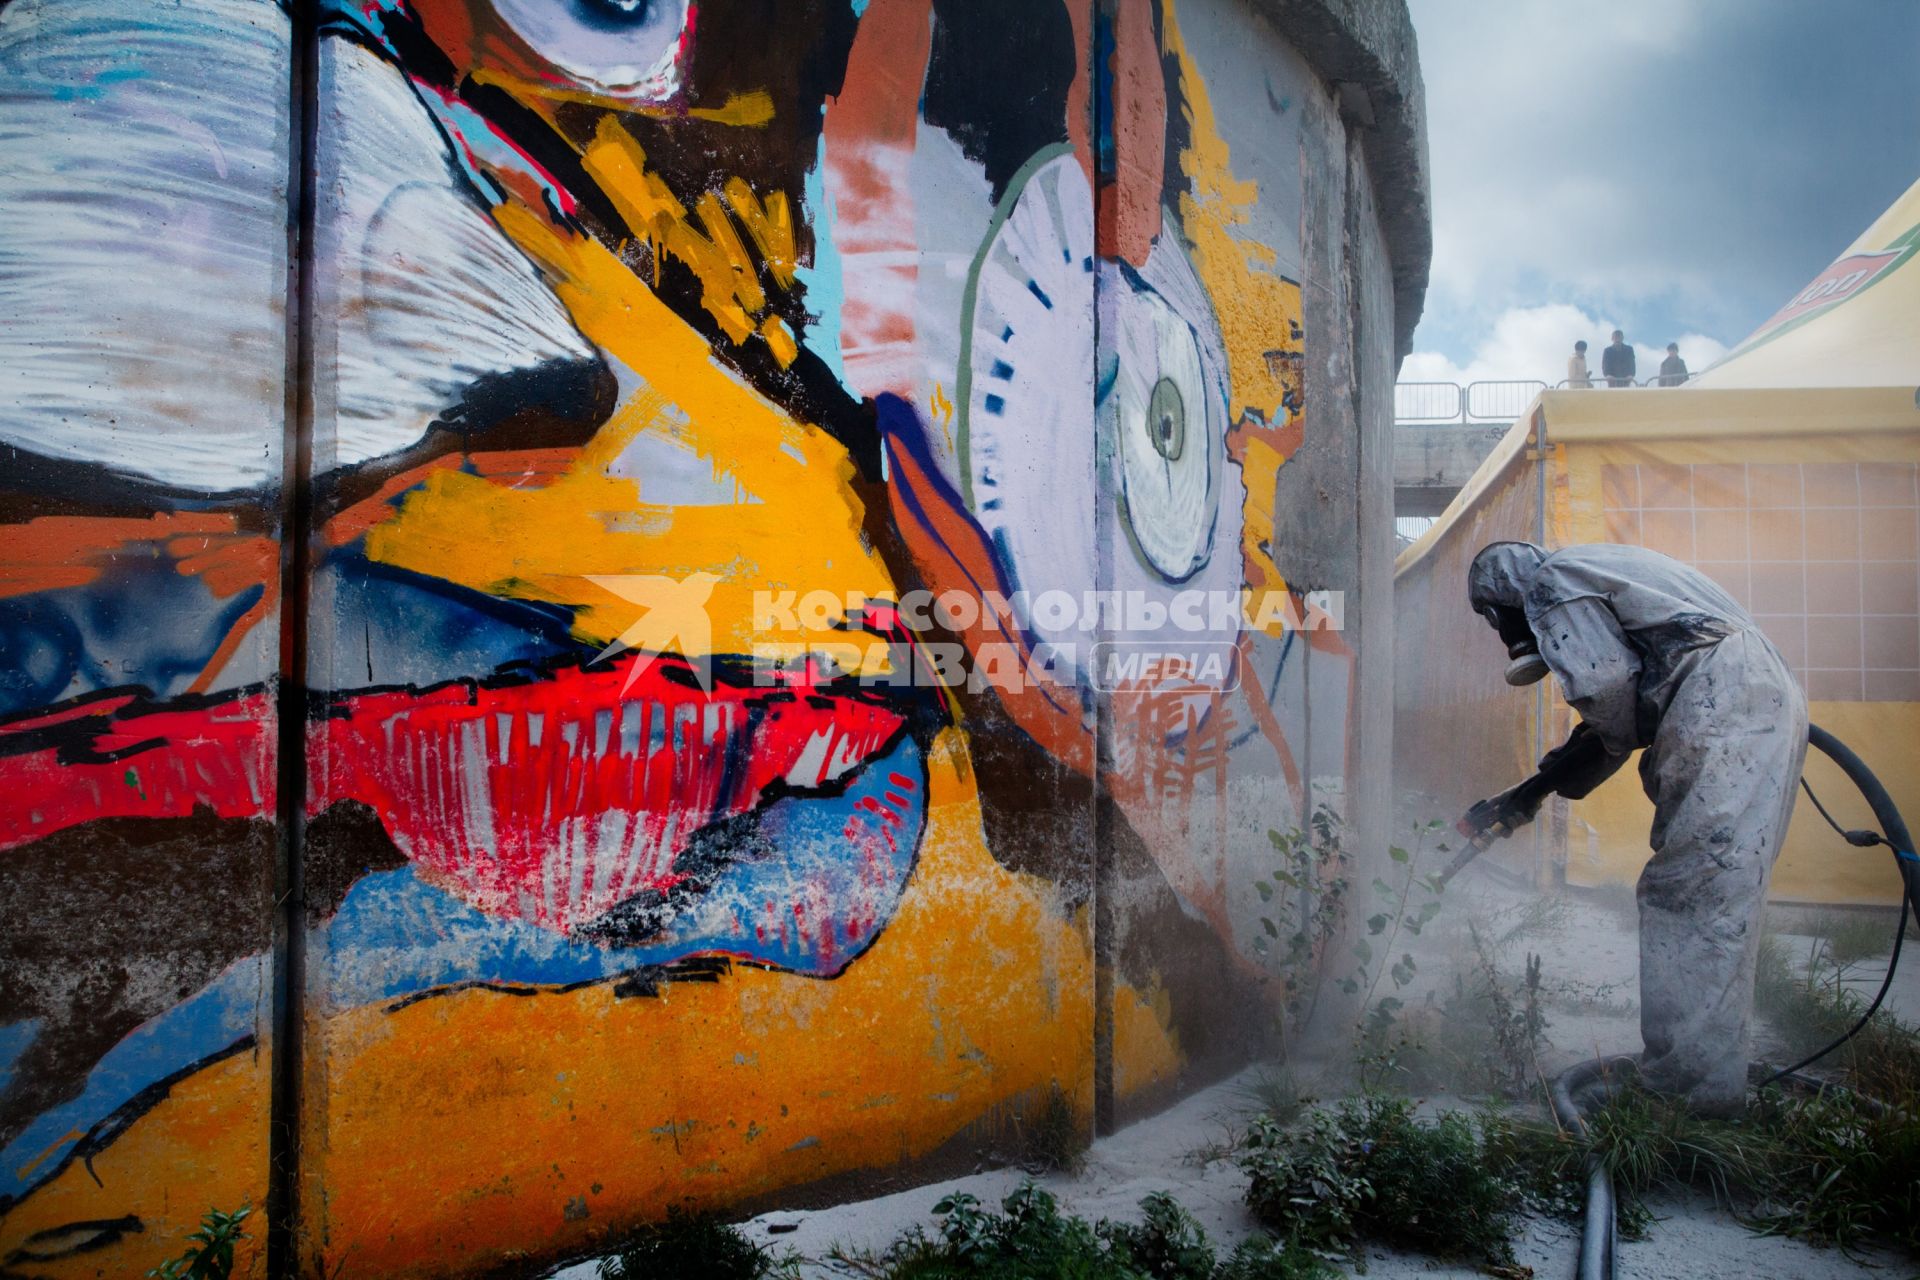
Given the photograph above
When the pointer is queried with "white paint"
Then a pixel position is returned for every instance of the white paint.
(143, 267)
(143, 248)
(628, 47)
(419, 294)
(1170, 488)
(1029, 441)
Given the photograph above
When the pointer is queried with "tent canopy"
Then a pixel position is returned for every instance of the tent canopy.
(1856, 324)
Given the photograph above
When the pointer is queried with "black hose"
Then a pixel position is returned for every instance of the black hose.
(1894, 834)
(1600, 1229)
(1893, 828)
(1879, 997)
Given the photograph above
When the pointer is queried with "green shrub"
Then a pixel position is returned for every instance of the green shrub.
(1261, 1258)
(1840, 1171)
(1167, 1243)
(1832, 1169)
(1030, 1239)
(1370, 1170)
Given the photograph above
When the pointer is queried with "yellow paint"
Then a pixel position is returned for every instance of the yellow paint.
(779, 340)
(1260, 313)
(795, 524)
(769, 223)
(709, 1094)
(1146, 1049)
(705, 241)
(210, 1150)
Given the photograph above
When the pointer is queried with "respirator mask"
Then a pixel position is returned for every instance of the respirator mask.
(1525, 666)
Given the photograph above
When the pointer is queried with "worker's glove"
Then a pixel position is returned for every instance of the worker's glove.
(1498, 817)
(1578, 765)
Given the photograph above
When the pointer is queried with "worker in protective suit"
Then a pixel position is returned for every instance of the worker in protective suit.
(1656, 657)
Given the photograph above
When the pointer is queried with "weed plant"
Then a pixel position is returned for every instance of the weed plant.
(1030, 1239)
(1050, 1137)
(209, 1253)
(1370, 1170)
(1480, 1036)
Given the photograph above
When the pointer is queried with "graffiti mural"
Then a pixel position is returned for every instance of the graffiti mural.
(645, 839)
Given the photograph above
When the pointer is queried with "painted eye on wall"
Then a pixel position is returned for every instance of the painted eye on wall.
(1164, 411)
(1168, 451)
(630, 48)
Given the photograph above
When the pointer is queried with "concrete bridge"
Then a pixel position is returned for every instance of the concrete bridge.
(1431, 462)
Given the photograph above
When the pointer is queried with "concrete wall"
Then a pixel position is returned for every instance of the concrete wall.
(615, 827)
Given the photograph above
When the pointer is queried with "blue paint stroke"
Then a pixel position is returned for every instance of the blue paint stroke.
(823, 280)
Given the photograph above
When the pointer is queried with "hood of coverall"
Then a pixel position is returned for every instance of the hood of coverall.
(1496, 590)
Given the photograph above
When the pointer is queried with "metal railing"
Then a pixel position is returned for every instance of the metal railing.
(1600, 382)
(1444, 403)
(1434, 402)
(1439, 404)
(1501, 401)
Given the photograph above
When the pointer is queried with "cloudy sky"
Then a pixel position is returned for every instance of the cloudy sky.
(1675, 168)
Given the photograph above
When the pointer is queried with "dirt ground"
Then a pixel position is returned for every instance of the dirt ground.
(1590, 974)
(1176, 1152)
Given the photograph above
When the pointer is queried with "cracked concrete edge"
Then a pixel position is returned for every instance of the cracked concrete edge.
(1367, 53)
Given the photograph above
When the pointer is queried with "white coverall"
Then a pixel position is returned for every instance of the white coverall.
(1654, 655)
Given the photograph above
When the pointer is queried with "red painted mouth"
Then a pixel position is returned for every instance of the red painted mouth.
(547, 798)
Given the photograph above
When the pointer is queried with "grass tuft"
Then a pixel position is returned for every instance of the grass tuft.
(1051, 1137)
(1834, 1169)
(1811, 1010)
(693, 1246)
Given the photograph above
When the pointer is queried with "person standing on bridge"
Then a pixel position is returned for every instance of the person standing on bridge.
(1673, 370)
(1577, 367)
(1616, 362)
(1656, 658)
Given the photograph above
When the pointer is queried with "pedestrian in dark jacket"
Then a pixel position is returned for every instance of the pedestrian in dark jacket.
(1616, 362)
(1673, 370)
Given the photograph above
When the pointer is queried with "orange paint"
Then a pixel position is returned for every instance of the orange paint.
(1129, 206)
(71, 551)
(953, 554)
(55, 552)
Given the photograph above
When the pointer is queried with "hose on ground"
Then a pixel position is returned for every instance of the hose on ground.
(1600, 1228)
